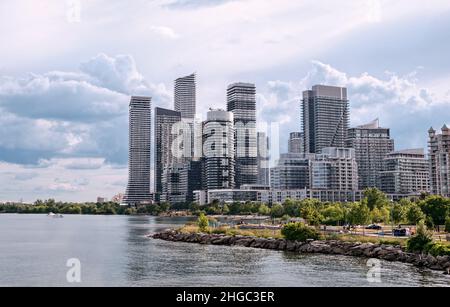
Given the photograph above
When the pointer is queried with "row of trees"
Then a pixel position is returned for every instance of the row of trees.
(108, 208)
(374, 208)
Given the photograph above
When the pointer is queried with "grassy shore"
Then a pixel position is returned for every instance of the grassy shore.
(234, 231)
(276, 234)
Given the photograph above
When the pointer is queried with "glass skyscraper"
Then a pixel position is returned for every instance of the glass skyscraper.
(325, 117)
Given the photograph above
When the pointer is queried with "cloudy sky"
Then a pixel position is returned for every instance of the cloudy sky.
(67, 69)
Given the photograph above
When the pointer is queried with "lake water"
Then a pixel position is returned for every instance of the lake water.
(115, 251)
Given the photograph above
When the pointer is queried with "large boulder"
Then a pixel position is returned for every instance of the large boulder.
(271, 244)
(244, 242)
(258, 243)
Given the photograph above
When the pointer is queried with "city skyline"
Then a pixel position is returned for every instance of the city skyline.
(64, 127)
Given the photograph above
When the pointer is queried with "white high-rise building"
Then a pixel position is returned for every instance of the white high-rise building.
(186, 96)
(218, 150)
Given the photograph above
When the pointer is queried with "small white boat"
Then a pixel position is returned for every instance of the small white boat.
(58, 216)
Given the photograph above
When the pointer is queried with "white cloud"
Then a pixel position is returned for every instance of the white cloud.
(82, 113)
(25, 176)
(58, 179)
(374, 11)
(164, 32)
(85, 164)
(398, 101)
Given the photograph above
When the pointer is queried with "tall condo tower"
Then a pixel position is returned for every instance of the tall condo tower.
(218, 147)
(325, 117)
(164, 139)
(185, 96)
(263, 159)
(138, 189)
(372, 144)
(241, 101)
(439, 153)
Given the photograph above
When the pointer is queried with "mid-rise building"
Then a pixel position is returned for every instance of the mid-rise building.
(335, 169)
(439, 155)
(140, 129)
(325, 118)
(272, 196)
(371, 143)
(405, 172)
(218, 150)
(180, 180)
(292, 172)
(296, 140)
(241, 101)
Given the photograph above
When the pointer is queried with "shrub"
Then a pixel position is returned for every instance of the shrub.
(419, 242)
(220, 231)
(299, 232)
(202, 222)
(437, 249)
(286, 218)
(447, 224)
(130, 211)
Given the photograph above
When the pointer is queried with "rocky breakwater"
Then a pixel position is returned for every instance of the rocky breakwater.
(355, 249)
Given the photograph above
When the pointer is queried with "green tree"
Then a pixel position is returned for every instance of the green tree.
(194, 207)
(264, 210)
(398, 213)
(291, 207)
(225, 209)
(374, 198)
(380, 215)
(235, 208)
(247, 208)
(359, 214)
(165, 206)
(202, 222)
(333, 214)
(277, 211)
(437, 208)
(309, 211)
(414, 214)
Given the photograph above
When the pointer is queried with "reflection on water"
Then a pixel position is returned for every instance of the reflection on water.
(115, 251)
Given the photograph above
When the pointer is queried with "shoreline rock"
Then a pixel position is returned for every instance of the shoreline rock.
(332, 247)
